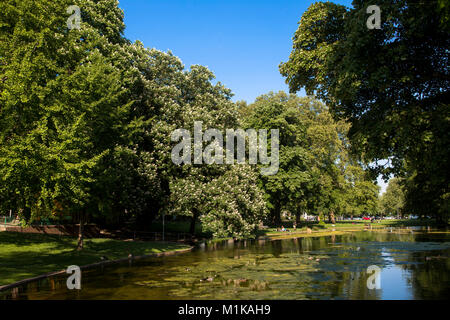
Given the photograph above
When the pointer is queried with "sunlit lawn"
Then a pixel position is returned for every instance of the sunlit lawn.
(348, 225)
(27, 255)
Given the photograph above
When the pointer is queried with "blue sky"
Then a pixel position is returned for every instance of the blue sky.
(241, 41)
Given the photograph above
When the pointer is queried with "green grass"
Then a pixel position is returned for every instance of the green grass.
(348, 225)
(25, 255)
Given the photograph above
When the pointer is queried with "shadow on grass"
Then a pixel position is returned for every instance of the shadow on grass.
(27, 255)
(29, 239)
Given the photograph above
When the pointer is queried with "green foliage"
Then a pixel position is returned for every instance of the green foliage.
(235, 206)
(62, 106)
(391, 84)
(280, 111)
(392, 202)
(86, 119)
(316, 174)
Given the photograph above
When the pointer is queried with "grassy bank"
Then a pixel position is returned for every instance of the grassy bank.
(338, 227)
(300, 231)
(24, 255)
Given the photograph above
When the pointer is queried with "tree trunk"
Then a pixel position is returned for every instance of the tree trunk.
(81, 233)
(441, 221)
(26, 214)
(332, 218)
(276, 214)
(297, 216)
(194, 218)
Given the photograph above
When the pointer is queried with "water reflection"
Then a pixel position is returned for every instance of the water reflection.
(414, 265)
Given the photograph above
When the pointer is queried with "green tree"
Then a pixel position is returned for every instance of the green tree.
(281, 111)
(392, 202)
(317, 173)
(174, 98)
(86, 120)
(63, 108)
(391, 84)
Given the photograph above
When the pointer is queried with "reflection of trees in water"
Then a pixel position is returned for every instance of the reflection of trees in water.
(384, 236)
(276, 270)
(352, 284)
(429, 279)
(342, 274)
(277, 248)
(428, 271)
(356, 287)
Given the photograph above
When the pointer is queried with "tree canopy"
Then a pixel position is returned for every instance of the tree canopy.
(317, 174)
(392, 202)
(391, 84)
(86, 120)
(86, 123)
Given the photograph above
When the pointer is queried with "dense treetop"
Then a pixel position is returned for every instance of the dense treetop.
(86, 118)
(391, 84)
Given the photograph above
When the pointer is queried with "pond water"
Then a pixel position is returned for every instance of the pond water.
(414, 264)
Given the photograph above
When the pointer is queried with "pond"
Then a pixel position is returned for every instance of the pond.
(414, 264)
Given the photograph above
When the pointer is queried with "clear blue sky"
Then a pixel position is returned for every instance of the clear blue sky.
(241, 41)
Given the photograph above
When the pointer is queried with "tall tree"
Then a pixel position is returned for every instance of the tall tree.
(86, 121)
(281, 111)
(393, 200)
(390, 83)
(62, 107)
